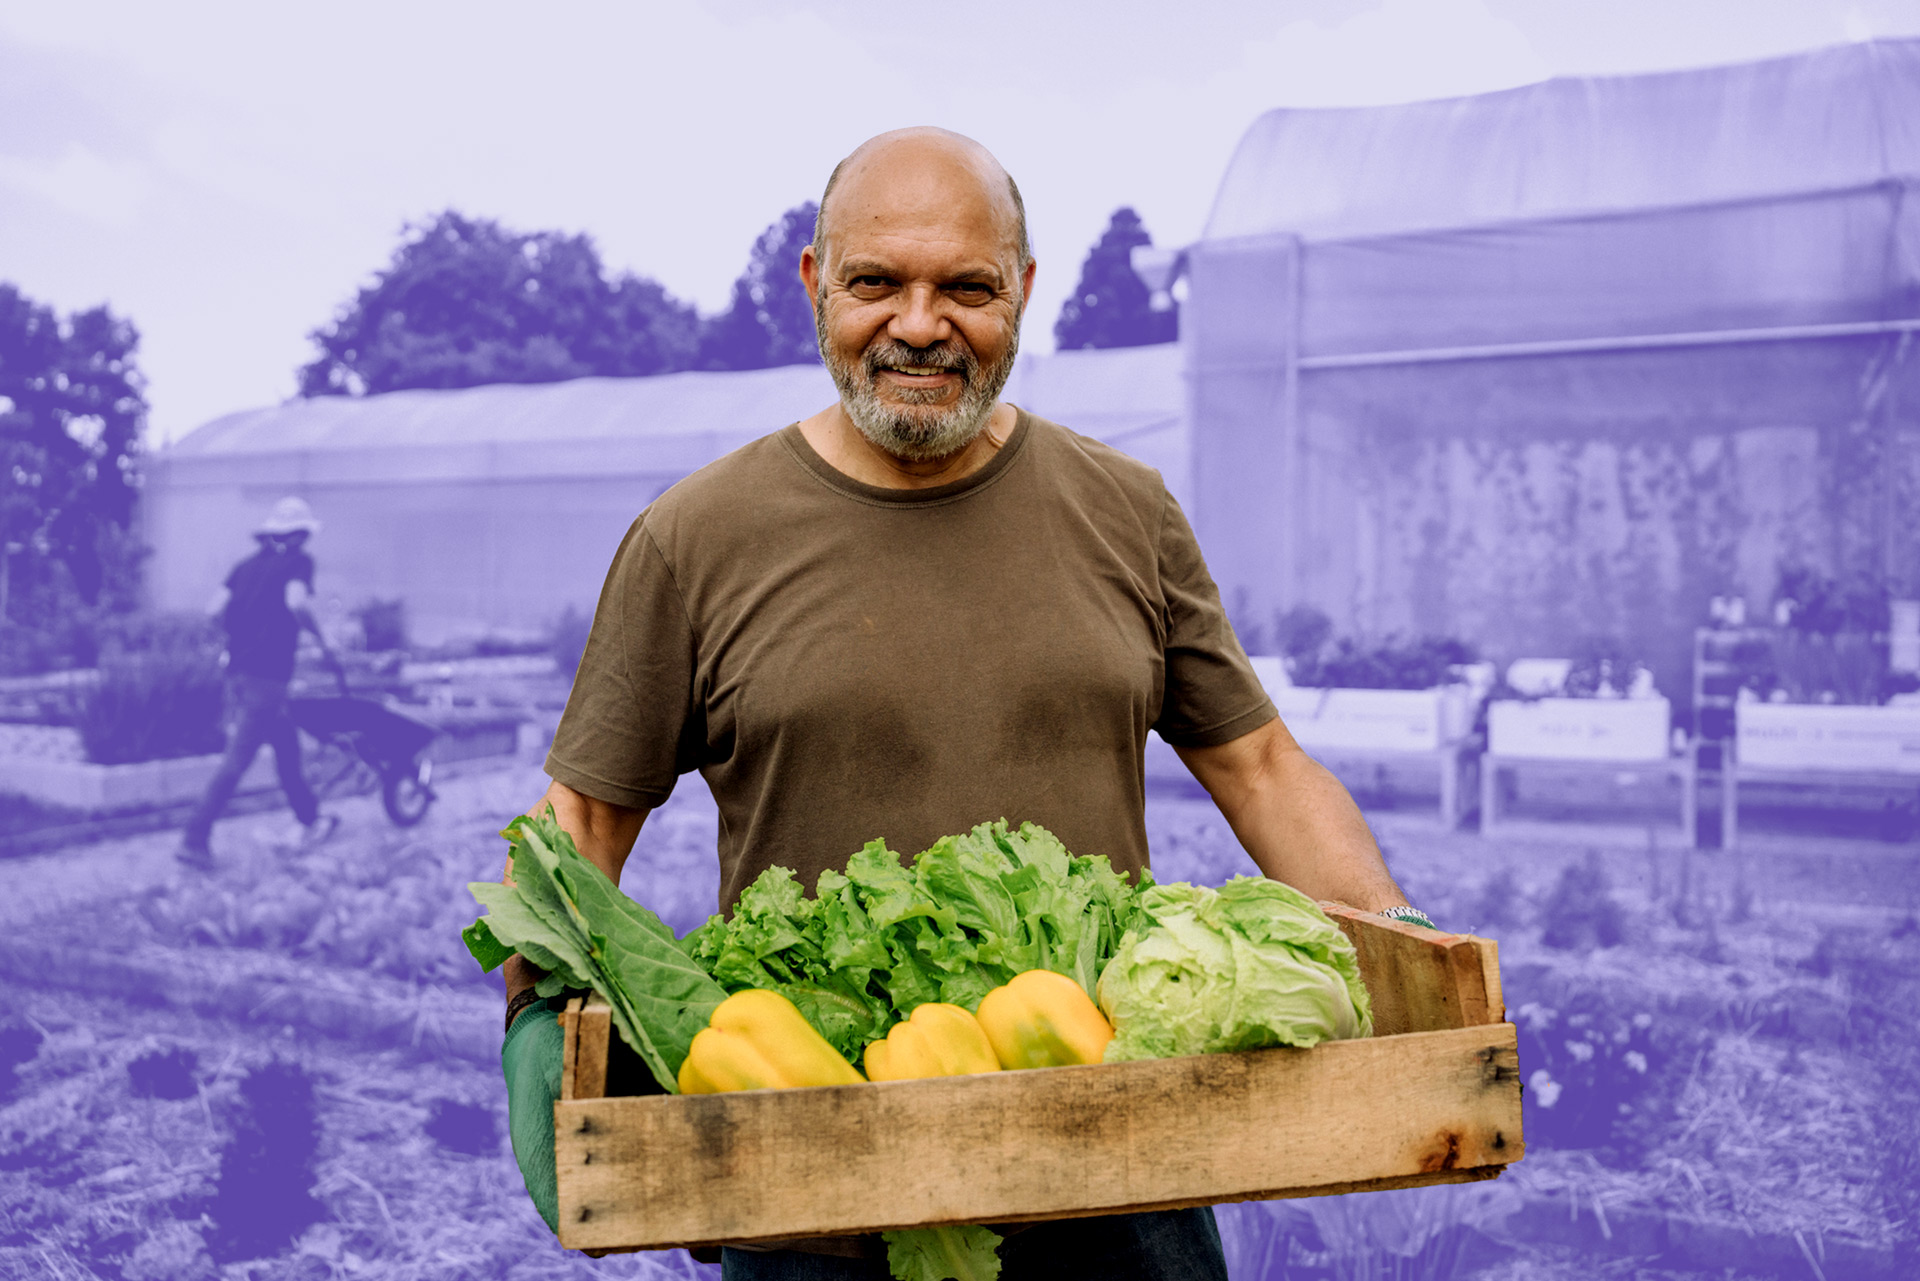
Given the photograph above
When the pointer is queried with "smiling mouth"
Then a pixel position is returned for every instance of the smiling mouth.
(919, 371)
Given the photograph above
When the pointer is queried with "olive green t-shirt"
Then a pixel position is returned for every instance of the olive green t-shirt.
(843, 662)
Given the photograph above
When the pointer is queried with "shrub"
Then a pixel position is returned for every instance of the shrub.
(1816, 667)
(1596, 1077)
(1302, 631)
(59, 644)
(1421, 663)
(1807, 601)
(1602, 662)
(263, 1195)
(170, 632)
(159, 694)
(1498, 902)
(569, 639)
(383, 624)
(1580, 911)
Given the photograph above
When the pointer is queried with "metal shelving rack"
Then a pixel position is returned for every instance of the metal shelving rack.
(1716, 687)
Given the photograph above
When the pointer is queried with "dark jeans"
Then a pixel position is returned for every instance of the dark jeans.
(260, 718)
(1160, 1245)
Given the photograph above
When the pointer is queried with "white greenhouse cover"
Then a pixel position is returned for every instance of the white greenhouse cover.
(1764, 196)
(1836, 118)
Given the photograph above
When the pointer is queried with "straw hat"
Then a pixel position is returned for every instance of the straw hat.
(290, 516)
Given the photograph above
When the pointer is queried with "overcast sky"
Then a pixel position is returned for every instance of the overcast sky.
(226, 174)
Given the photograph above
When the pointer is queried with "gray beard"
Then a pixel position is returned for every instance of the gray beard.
(917, 431)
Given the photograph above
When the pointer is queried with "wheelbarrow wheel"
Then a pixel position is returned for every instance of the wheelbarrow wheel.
(407, 796)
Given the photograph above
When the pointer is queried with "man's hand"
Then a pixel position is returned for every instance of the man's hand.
(1294, 818)
(604, 834)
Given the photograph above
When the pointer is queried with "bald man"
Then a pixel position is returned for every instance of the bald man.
(921, 609)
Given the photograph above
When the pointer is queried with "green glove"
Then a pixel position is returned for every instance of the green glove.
(530, 1058)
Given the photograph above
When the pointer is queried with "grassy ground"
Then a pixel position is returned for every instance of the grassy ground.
(1720, 1038)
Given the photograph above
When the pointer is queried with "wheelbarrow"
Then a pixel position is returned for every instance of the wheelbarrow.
(369, 738)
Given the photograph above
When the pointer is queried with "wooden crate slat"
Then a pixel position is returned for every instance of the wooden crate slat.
(596, 1028)
(570, 1048)
(1420, 980)
(1001, 1147)
(1492, 992)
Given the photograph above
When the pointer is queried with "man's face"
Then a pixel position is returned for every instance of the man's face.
(917, 299)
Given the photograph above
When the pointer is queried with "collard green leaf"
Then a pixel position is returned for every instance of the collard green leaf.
(486, 949)
(565, 916)
(513, 922)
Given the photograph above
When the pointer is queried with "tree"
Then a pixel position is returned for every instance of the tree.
(466, 301)
(1111, 307)
(72, 405)
(768, 321)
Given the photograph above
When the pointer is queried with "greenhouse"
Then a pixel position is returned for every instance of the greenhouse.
(1566, 359)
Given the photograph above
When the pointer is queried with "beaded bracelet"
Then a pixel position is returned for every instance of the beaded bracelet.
(1409, 916)
(525, 997)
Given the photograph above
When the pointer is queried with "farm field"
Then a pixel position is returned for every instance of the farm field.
(286, 1069)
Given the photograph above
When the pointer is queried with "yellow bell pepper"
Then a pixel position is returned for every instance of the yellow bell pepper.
(1043, 1019)
(935, 1040)
(758, 1040)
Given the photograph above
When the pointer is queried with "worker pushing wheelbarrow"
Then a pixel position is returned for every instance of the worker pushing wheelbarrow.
(263, 608)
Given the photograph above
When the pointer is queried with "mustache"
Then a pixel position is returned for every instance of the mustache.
(887, 353)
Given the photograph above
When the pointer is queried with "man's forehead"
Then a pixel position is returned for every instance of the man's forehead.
(922, 183)
(923, 148)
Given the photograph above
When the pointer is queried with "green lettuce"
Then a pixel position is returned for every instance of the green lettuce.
(1252, 964)
(564, 915)
(882, 937)
(943, 1254)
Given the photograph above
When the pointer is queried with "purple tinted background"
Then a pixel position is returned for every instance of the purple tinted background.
(1524, 401)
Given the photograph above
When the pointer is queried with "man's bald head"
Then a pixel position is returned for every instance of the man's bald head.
(902, 150)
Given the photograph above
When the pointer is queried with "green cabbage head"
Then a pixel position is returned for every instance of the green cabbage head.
(1252, 964)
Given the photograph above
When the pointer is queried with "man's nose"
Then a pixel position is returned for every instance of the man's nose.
(919, 322)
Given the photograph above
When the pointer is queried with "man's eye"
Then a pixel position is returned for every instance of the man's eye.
(971, 292)
(869, 283)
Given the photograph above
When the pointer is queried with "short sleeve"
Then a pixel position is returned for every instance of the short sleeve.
(1212, 695)
(632, 724)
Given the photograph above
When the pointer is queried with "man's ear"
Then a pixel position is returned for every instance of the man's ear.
(1026, 285)
(810, 274)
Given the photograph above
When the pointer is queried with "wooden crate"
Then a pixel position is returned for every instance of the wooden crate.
(1432, 1097)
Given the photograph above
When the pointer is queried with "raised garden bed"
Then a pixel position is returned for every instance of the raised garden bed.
(1393, 720)
(82, 786)
(1828, 737)
(1363, 734)
(1611, 730)
(90, 788)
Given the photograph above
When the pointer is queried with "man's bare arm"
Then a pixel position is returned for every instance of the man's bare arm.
(604, 834)
(1294, 818)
